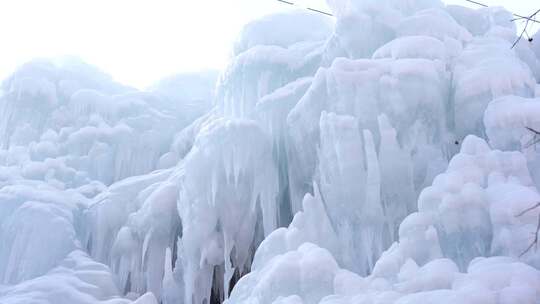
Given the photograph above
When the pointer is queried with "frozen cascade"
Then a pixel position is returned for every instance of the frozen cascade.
(367, 89)
(396, 178)
(478, 185)
(474, 187)
(507, 120)
(76, 116)
(215, 200)
(68, 130)
(35, 215)
(230, 182)
(336, 166)
(477, 81)
(350, 186)
(272, 111)
(261, 70)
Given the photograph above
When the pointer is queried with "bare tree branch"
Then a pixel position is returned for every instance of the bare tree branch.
(528, 209)
(534, 243)
(531, 18)
(534, 140)
(520, 17)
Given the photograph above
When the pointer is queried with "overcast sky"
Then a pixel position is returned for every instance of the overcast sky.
(136, 41)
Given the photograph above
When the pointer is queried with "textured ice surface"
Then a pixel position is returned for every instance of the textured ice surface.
(310, 275)
(82, 126)
(283, 30)
(468, 212)
(67, 131)
(76, 279)
(385, 156)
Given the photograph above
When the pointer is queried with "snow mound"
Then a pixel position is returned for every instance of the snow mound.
(76, 279)
(310, 275)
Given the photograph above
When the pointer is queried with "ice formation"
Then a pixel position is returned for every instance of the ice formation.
(386, 156)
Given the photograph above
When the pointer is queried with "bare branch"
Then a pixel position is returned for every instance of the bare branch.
(286, 2)
(521, 35)
(520, 17)
(534, 243)
(528, 209)
(531, 18)
(533, 130)
(308, 8)
(534, 140)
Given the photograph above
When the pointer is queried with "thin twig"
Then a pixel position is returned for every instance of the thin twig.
(521, 35)
(531, 18)
(308, 8)
(529, 209)
(534, 243)
(517, 16)
(477, 3)
(533, 130)
(535, 138)
(319, 11)
(286, 2)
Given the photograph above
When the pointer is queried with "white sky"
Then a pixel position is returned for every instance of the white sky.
(140, 41)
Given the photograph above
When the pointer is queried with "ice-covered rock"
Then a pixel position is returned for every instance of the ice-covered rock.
(366, 89)
(34, 216)
(508, 121)
(471, 210)
(76, 279)
(310, 275)
(486, 69)
(307, 273)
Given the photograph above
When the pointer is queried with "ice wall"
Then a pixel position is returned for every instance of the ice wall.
(230, 184)
(381, 157)
(68, 113)
(203, 218)
(469, 212)
(420, 96)
(68, 131)
(511, 123)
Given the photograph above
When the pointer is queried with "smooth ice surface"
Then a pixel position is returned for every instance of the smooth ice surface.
(388, 155)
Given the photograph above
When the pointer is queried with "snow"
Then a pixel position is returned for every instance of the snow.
(387, 157)
(76, 279)
(291, 278)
